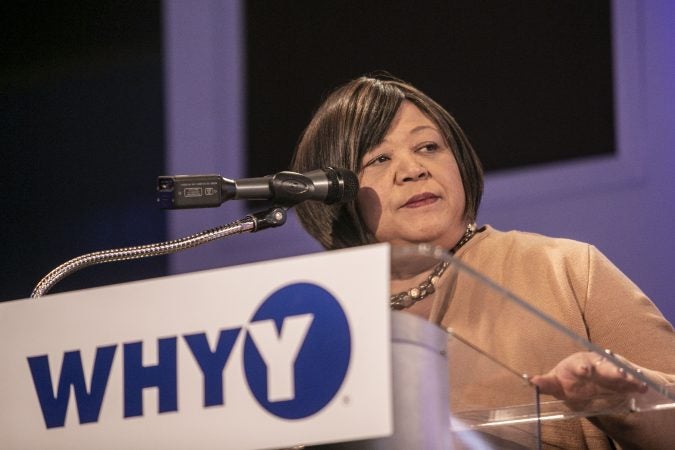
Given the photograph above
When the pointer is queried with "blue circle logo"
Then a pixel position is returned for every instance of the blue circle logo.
(297, 351)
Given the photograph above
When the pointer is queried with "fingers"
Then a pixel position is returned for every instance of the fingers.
(585, 375)
(548, 385)
(615, 378)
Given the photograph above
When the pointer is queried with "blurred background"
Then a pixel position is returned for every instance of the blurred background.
(568, 103)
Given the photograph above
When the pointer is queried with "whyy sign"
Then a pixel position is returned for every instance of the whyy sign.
(196, 359)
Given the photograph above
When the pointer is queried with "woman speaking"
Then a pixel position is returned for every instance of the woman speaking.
(421, 182)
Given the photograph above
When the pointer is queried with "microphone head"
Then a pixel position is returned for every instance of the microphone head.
(343, 185)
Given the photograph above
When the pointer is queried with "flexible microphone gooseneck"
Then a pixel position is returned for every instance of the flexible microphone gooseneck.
(285, 189)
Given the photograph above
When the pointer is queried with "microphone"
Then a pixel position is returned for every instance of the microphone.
(329, 185)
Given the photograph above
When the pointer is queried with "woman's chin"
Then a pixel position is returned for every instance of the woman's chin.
(442, 236)
(419, 238)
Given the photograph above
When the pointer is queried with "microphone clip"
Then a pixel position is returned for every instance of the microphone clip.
(270, 218)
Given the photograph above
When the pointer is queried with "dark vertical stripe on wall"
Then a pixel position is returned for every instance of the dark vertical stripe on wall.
(530, 81)
(82, 137)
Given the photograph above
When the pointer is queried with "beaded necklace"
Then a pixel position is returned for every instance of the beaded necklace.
(408, 298)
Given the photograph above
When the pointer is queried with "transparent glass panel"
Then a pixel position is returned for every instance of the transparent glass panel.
(494, 348)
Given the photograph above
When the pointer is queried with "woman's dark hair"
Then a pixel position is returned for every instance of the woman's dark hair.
(351, 121)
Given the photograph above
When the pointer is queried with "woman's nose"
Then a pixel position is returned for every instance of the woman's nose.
(411, 170)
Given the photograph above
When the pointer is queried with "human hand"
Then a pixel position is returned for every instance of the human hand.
(585, 375)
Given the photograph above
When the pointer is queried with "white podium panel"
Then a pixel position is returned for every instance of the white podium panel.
(267, 355)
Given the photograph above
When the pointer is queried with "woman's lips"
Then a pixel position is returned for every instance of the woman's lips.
(419, 200)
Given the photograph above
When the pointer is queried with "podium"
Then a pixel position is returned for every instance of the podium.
(300, 352)
(496, 341)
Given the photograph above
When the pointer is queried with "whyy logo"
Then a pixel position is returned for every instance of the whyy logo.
(297, 349)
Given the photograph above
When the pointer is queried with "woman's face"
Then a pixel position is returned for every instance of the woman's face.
(411, 190)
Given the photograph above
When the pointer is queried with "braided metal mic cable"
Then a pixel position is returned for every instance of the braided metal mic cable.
(140, 251)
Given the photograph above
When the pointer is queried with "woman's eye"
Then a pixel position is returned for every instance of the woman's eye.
(379, 159)
(429, 148)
